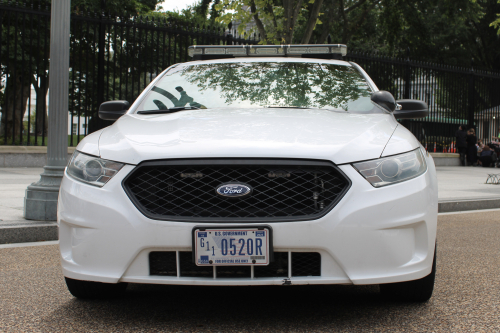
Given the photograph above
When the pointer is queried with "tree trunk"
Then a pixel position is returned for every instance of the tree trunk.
(328, 18)
(258, 22)
(292, 10)
(41, 88)
(16, 97)
(345, 21)
(311, 22)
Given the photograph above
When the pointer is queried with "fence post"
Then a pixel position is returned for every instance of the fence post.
(229, 35)
(407, 75)
(97, 122)
(100, 62)
(471, 102)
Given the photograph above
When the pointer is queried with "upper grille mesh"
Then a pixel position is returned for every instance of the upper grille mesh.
(280, 191)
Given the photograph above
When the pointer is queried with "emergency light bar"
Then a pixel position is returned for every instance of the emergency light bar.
(328, 51)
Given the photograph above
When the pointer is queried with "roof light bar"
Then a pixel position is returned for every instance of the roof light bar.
(200, 52)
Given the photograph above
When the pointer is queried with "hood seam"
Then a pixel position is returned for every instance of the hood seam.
(382, 153)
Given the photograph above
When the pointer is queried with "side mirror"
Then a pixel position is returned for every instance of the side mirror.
(113, 110)
(384, 99)
(411, 109)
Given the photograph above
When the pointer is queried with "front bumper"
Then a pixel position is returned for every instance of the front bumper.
(372, 236)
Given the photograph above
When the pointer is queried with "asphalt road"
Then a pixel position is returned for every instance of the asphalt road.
(33, 296)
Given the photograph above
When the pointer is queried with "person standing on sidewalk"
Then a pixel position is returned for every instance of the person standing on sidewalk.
(496, 138)
(461, 143)
(471, 147)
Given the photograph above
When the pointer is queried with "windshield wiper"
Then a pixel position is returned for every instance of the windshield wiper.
(290, 107)
(171, 110)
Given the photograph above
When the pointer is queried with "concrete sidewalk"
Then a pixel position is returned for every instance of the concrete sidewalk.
(460, 189)
(13, 227)
(465, 188)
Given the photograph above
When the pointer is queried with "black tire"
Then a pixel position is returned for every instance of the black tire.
(412, 291)
(94, 290)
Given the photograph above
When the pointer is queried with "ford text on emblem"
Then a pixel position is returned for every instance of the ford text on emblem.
(233, 190)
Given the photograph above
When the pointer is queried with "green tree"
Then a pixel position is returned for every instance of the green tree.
(345, 19)
(24, 62)
(496, 23)
(25, 54)
(445, 31)
(276, 21)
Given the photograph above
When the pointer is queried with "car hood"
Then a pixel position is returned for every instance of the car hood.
(340, 137)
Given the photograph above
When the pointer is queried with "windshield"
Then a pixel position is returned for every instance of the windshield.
(261, 84)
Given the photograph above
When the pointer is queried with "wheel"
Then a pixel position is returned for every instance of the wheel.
(412, 291)
(94, 290)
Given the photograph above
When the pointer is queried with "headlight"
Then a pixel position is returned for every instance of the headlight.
(393, 169)
(92, 170)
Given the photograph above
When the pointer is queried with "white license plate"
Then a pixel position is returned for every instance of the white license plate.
(231, 247)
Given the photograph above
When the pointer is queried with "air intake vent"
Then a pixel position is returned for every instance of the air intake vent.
(163, 263)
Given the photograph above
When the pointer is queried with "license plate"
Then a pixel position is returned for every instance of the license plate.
(231, 247)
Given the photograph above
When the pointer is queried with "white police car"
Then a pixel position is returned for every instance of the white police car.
(252, 165)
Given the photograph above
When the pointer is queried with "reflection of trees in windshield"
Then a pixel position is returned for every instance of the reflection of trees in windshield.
(280, 84)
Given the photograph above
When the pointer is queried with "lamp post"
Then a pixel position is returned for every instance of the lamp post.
(40, 201)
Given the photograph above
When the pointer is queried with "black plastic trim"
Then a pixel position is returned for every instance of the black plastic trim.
(236, 161)
(411, 109)
(212, 56)
(112, 110)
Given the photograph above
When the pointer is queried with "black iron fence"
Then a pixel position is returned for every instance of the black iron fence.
(111, 57)
(456, 96)
(115, 57)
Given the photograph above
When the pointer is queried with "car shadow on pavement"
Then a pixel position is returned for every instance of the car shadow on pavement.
(269, 308)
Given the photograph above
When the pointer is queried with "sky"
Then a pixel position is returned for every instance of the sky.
(176, 4)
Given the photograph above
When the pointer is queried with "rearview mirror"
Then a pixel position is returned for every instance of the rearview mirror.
(113, 110)
(384, 99)
(411, 109)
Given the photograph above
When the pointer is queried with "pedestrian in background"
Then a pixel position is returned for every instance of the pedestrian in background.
(496, 138)
(480, 145)
(471, 140)
(461, 143)
(488, 157)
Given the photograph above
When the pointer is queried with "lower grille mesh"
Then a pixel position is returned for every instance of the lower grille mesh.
(303, 264)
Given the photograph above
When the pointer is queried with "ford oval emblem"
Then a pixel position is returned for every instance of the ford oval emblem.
(234, 190)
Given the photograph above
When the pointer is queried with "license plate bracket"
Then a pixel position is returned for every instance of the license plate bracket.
(251, 245)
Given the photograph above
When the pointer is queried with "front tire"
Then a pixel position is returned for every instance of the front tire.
(412, 291)
(94, 290)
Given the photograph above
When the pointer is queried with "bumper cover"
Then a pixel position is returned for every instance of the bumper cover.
(371, 236)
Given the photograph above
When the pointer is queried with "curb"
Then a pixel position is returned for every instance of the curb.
(27, 231)
(38, 231)
(467, 205)
(26, 156)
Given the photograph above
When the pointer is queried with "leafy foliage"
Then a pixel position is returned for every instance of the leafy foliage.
(128, 7)
(276, 21)
(446, 31)
(496, 23)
